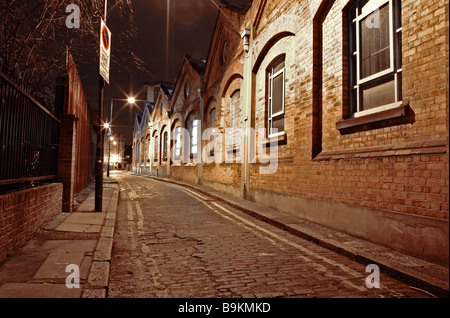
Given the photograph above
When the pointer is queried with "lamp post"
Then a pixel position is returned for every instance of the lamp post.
(100, 138)
(109, 154)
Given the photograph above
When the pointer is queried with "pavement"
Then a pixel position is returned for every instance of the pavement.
(85, 238)
(72, 243)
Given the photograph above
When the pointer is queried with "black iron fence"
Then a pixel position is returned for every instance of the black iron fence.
(29, 136)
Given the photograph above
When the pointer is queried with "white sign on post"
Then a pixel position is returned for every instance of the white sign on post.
(105, 51)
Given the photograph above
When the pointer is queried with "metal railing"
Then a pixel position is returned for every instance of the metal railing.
(29, 136)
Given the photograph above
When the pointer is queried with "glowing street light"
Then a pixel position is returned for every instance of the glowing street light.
(132, 100)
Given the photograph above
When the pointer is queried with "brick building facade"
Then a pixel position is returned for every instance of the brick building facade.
(353, 95)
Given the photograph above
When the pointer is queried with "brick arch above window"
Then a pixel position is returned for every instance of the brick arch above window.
(176, 120)
(210, 105)
(231, 82)
(266, 48)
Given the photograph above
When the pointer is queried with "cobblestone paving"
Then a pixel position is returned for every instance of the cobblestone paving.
(173, 242)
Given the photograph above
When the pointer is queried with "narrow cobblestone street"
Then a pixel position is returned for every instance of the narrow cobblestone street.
(172, 242)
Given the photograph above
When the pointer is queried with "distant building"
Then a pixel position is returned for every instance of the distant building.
(128, 156)
(114, 151)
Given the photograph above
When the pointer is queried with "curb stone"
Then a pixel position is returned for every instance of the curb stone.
(98, 279)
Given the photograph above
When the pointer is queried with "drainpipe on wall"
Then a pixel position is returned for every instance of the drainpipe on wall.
(246, 36)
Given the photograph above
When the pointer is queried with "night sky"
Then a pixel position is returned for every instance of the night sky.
(191, 28)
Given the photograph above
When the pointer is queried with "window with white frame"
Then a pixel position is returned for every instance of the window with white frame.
(235, 117)
(155, 149)
(194, 136)
(375, 35)
(212, 125)
(178, 142)
(276, 89)
(164, 147)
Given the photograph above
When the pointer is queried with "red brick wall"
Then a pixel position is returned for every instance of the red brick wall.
(401, 168)
(226, 173)
(184, 173)
(77, 105)
(23, 213)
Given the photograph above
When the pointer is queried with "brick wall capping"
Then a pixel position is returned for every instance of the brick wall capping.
(426, 147)
(43, 178)
(402, 114)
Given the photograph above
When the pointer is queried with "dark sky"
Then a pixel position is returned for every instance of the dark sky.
(191, 26)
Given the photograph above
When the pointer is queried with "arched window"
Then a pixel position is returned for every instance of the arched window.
(193, 126)
(235, 109)
(235, 117)
(276, 79)
(165, 141)
(224, 52)
(186, 90)
(178, 141)
(194, 136)
(155, 147)
(212, 118)
(212, 124)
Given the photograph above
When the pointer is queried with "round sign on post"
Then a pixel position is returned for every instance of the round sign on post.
(105, 38)
(105, 51)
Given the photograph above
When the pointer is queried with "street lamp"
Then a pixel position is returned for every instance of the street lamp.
(130, 100)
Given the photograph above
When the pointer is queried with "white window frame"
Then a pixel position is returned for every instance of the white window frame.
(195, 125)
(155, 148)
(369, 9)
(213, 127)
(165, 145)
(178, 141)
(235, 118)
(270, 98)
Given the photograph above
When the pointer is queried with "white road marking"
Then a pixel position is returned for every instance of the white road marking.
(286, 241)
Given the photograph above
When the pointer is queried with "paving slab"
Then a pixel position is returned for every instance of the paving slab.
(25, 290)
(72, 227)
(86, 218)
(38, 270)
(55, 265)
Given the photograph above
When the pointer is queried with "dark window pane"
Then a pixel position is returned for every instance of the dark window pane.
(377, 94)
(277, 123)
(165, 147)
(279, 65)
(212, 121)
(235, 109)
(277, 94)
